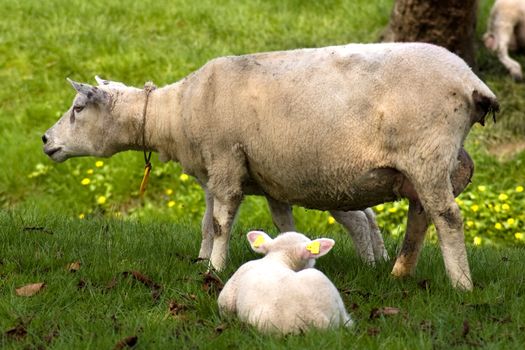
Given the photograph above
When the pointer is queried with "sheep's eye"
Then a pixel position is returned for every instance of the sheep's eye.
(78, 109)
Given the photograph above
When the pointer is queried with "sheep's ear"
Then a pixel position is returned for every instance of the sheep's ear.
(317, 248)
(101, 81)
(93, 93)
(259, 241)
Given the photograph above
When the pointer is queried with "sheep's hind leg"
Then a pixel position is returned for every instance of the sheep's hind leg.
(436, 196)
(378, 245)
(281, 215)
(356, 223)
(417, 224)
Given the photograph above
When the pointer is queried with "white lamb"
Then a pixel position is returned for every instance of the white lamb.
(282, 292)
(506, 31)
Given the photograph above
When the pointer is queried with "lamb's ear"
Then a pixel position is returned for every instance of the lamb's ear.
(259, 241)
(317, 248)
(93, 93)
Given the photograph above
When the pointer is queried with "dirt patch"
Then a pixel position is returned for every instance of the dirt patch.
(506, 150)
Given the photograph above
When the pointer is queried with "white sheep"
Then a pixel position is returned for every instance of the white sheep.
(282, 292)
(339, 128)
(506, 31)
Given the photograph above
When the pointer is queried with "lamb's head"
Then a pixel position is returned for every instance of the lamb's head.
(295, 249)
(91, 126)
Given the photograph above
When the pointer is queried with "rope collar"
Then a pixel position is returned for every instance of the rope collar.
(148, 89)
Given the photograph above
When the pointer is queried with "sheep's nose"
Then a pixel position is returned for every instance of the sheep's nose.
(44, 139)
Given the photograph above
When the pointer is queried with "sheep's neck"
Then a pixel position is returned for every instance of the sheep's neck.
(152, 118)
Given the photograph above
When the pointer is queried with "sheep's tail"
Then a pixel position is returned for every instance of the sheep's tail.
(483, 105)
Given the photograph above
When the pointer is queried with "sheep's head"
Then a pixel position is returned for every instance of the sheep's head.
(89, 127)
(297, 250)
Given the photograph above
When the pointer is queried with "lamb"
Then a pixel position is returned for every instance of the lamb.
(282, 292)
(335, 128)
(506, 31)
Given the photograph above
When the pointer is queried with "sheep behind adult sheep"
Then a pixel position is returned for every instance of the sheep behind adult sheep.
(335, 128)
(506, 31)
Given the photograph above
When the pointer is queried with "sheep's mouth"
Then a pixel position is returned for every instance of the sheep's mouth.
(52, 151)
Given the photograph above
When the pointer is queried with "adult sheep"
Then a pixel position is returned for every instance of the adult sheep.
(334, 128)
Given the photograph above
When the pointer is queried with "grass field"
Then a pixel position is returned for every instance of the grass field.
(50, 216)
(98, 305)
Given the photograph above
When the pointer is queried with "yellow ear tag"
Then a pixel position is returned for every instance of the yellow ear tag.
(313, 247)
(258, 241)
(144, 183)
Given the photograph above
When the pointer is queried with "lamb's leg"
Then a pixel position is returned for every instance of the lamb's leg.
(417, 224)
(504, 35)
(207, 227)
(281, 215)
(224, 212)
(378, 245)
(356, 223)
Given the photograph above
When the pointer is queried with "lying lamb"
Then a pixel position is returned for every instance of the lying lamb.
(336, 128)
(506, 31)
(282, 292)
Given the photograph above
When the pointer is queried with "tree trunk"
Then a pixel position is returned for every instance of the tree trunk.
(448, 23)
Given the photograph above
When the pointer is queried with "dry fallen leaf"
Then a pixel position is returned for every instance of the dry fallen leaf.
(156, 289)
(18, 333)
(126, 342)
(30, 289)
(74, 266)
(384, 311)
(175, 308)
(212, 283)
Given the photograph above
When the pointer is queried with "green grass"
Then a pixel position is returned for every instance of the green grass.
(97, 306)
(43, 42)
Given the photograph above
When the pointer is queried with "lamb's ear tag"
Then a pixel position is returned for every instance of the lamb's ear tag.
(258, 241)
(313, 247)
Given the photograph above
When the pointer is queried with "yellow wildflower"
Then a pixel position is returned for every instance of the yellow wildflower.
(498, 226)
(497, 208)
(168, 192)
(511, 221)
(89, 171)
(459, 201)
(99, 164)
(171, 204)
(519, 189)
(380, 207)
(470, 223)
(392, 210)
(477, 240)
(85, 181)
(81, 216)
(184, 177)
(101, 200)
(474, 207)
(505, 206)
(518, 235)
(503, 197)
(331, 220)
(482, 188)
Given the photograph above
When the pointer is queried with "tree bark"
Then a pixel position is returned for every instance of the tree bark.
(448, 23)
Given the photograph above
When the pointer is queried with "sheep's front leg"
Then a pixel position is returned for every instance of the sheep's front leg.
(281, 215)
(207, 227)
(504, 37)
(417, 224)
(224, 212)
(356, 223)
